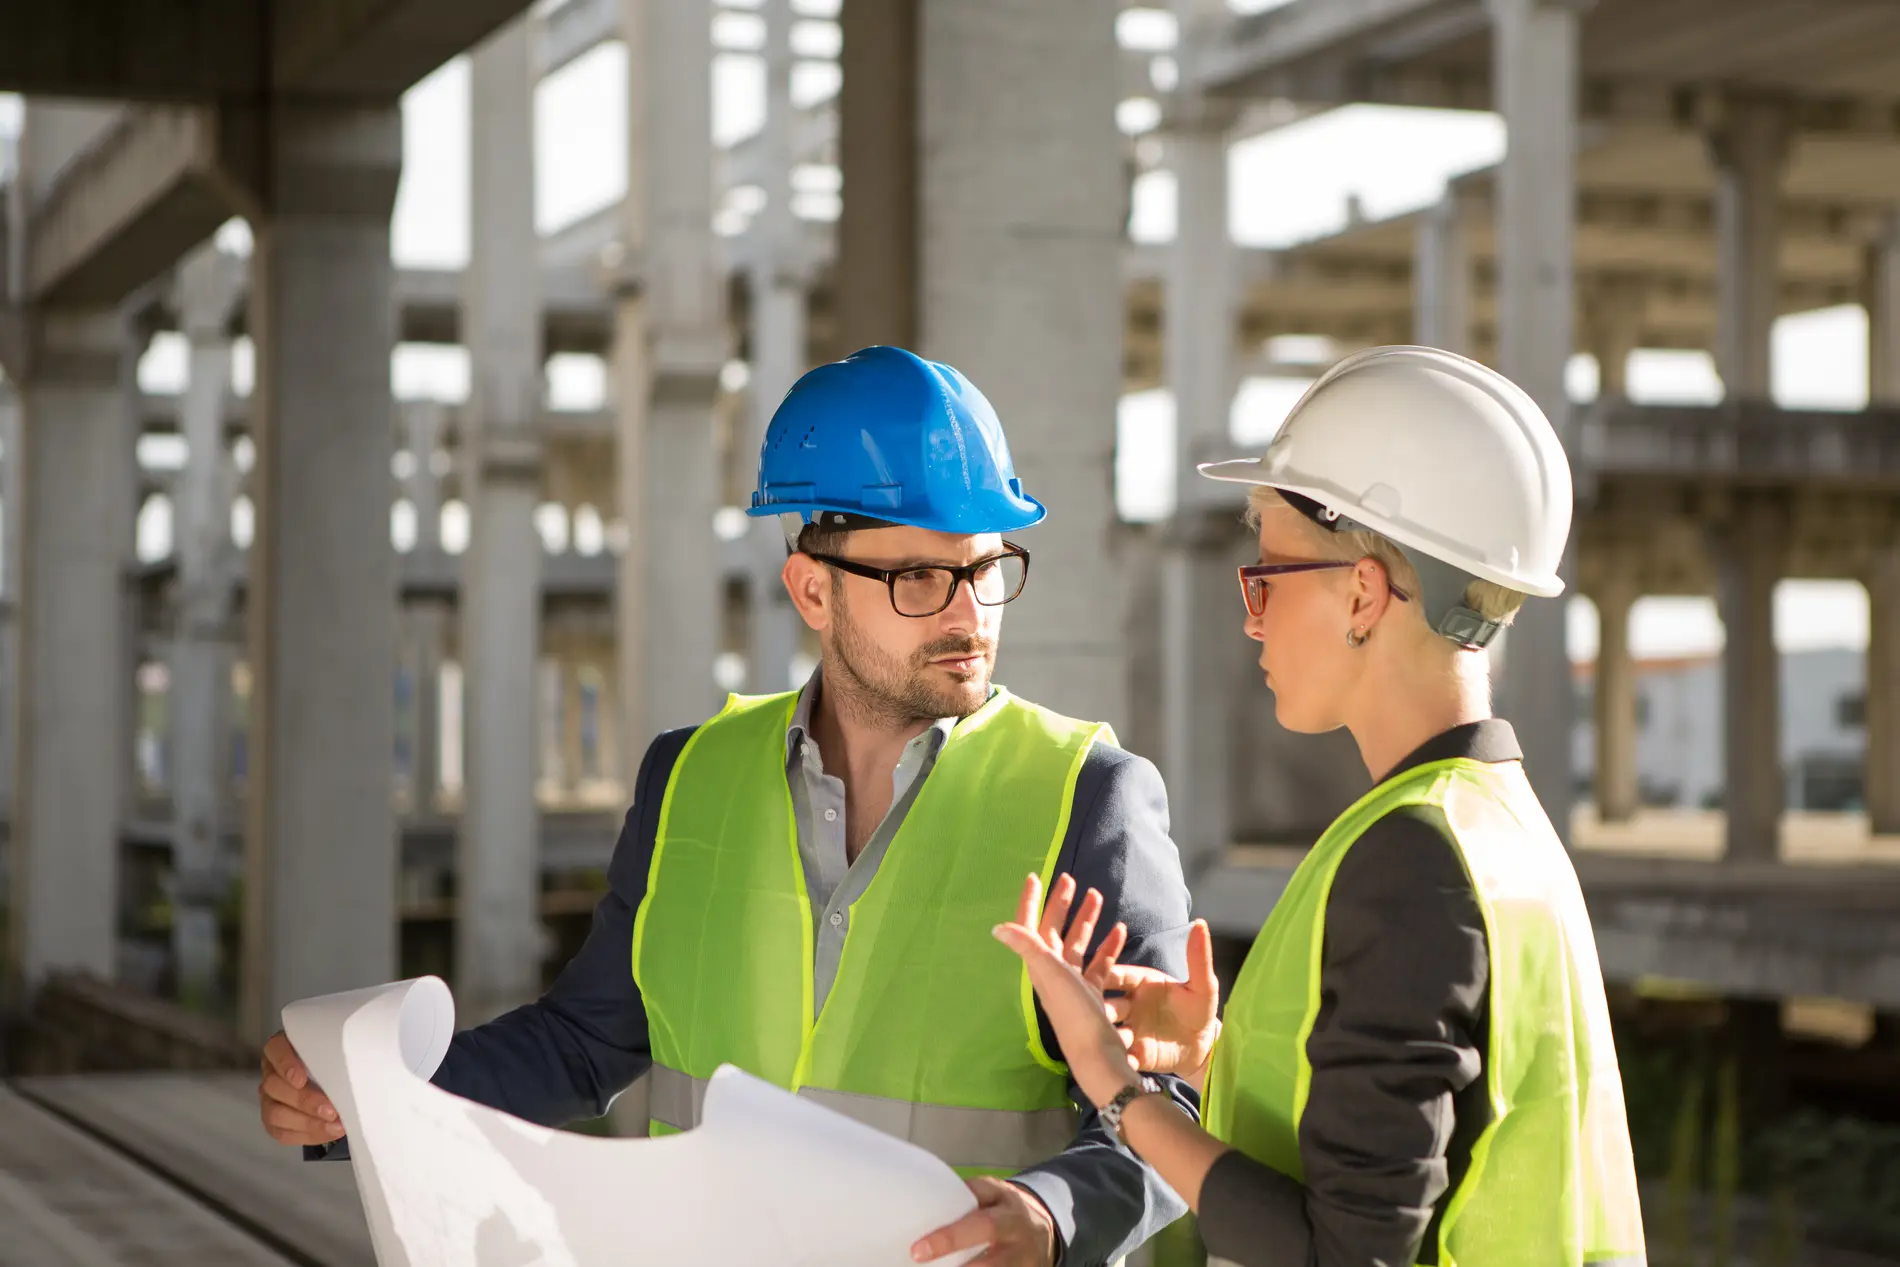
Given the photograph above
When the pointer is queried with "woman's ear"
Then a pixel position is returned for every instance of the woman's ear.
(1371, 592)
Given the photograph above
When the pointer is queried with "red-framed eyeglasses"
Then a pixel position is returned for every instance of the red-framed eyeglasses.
(1254, 578)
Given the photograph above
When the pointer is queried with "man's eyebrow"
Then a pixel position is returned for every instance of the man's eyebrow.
(938, 563)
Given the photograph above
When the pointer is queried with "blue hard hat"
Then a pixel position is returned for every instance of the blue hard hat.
(888, 436)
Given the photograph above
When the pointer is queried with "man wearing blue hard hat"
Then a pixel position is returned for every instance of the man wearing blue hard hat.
(805, 883)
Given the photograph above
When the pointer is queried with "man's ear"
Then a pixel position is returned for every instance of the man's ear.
(809, 583)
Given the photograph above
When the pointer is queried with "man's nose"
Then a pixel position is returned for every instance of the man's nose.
(964, 613)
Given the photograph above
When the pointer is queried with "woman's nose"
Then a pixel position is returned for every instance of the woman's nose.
(1251, 626)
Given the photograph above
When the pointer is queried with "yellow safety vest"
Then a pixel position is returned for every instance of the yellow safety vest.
(1551, 1182)
(929, 1032)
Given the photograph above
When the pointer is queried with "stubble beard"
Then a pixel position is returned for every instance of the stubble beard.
(898, 692)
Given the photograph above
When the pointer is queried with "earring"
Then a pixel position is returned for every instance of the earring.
(1357, 639)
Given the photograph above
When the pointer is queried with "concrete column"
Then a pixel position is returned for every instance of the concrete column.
(499, 941)
(1750, 144)
(1441, 279)
(573, 764)
(780, 276)
(425, 639)
(1883, 687)
(1200, 635)
(1021, 215)
(78, 502)
(1883, 580)
(1883, 314)
(670, 341)
(1614, 313)
(877, 269)
(1616, 724)
(426, 620)
(11, 488)
(1534, 68)
(320, 863)
(1748, 552)
(422, 430)
(209, 287)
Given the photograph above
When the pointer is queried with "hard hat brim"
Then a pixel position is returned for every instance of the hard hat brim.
(1249, 471)
(1001, 514)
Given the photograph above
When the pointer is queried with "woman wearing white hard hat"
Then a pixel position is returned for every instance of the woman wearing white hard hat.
(1416, 1063)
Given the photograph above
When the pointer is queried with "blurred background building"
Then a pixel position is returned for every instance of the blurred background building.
(380, 384)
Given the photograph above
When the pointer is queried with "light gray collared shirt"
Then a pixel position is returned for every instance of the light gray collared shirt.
(818, 809)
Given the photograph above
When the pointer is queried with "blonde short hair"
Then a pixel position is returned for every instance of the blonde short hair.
(1489, 599)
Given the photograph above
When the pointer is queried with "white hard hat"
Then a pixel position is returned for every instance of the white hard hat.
(1445, 456)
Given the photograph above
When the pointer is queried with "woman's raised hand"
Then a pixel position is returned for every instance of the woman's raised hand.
(1154, 1022)
(1071, 992)
(1169, 1026)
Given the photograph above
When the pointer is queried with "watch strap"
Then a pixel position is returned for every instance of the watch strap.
(1113, 1110)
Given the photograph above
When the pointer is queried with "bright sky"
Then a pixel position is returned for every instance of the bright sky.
(1286, 185)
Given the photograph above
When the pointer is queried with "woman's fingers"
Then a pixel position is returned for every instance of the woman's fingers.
(1133, 976)
(1200, 958)
(1105, 955)
(1022, 939)
(1120, 1008)
(1031, 899)
(1082, 930)
(1055, 912)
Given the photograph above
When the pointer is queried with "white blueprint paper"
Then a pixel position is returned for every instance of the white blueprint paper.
(769, 1179)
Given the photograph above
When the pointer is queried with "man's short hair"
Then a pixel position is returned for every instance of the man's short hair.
(821, 538)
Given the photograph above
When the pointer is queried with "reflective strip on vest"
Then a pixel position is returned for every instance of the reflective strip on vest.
(987, 1139)
(1551, 1182)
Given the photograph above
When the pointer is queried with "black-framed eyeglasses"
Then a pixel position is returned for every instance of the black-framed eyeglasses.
(926, 589)
(1254, 578)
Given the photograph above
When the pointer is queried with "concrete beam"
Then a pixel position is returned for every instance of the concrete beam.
(371, 50)
(124, 211)
(187, 50)
(573, 28)
(1742, 443)
(1752, 946)
(1338, 52)
(1297, 36)
(1758, 930)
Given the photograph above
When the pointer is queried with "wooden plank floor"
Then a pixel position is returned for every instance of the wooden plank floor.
(67, 1200)
(201, 1132)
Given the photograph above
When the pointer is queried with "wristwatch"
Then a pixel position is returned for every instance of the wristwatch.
(1112, 1111)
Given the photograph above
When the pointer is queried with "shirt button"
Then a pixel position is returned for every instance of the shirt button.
(831, 816)
(837, 918)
